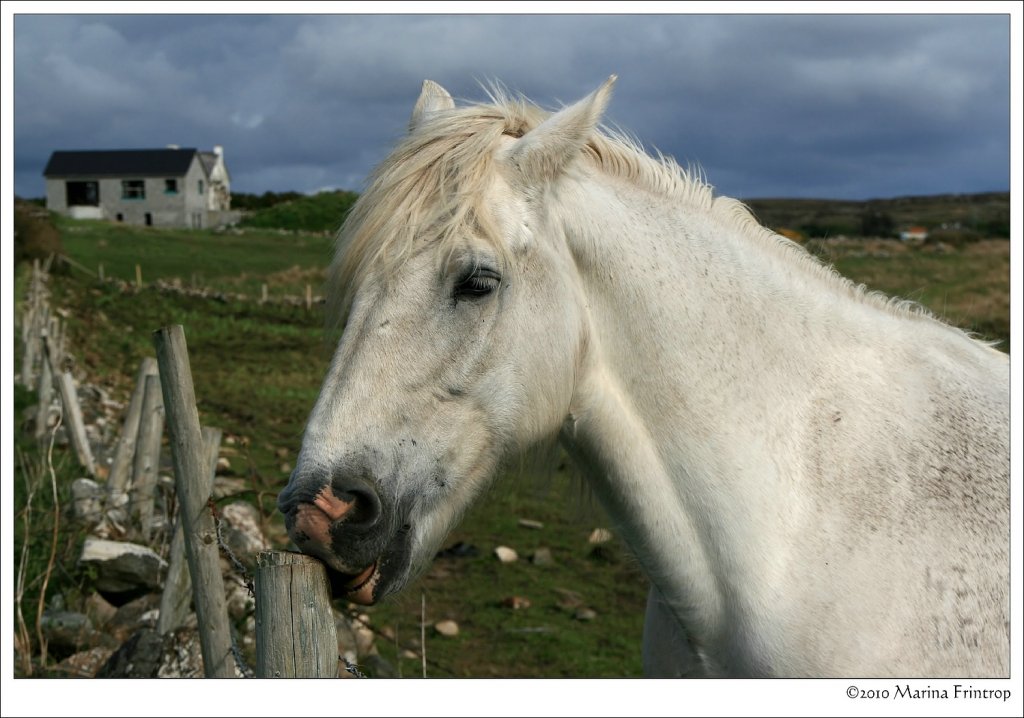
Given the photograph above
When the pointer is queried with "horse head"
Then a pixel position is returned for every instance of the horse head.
(463, 333)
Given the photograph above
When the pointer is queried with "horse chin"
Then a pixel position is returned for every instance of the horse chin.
(385, 576)
(360, 588)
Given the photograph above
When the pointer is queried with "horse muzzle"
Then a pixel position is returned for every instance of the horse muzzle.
(341, 524)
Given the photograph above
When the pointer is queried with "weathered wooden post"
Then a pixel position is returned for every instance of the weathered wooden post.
(45, 395)
(190, 471)
(33, 323)
(72, 414)
(147, 455)
(177, 595)
(309, 297)
(120, 469)
(138, 276)
(295, 632)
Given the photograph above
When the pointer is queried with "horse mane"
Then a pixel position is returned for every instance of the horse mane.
(431, 189)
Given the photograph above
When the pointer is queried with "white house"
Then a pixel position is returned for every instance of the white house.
(170, 187)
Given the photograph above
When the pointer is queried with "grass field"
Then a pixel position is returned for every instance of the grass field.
(257, 371)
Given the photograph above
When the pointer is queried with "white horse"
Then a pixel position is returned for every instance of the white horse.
(815, 479)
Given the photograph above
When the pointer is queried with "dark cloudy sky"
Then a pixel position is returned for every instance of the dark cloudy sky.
(841, 106)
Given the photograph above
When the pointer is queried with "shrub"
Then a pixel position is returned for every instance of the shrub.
(35, 236)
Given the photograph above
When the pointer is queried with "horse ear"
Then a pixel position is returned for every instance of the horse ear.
(545, 151)
(433, 98)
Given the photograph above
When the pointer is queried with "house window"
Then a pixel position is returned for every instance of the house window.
(170, 186)
(133, 189)
(83, 193)
(149, 219)
(200, 186)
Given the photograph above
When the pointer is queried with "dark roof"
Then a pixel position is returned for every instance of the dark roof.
(120, 163)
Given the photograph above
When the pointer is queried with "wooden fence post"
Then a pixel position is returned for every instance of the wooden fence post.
(309, 297)
(45, 395)
(73, 421)
(177, 595)
(147, 455)
(190, 470)
(120, 469)
(295, 631)
(138, 276)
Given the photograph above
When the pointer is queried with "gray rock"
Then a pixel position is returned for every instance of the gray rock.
(67, 629)
(121, 566)
(242, 532)
(138, 657)
(542, 557)
(87, 501)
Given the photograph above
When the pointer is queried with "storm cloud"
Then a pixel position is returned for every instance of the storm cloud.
(838, 106)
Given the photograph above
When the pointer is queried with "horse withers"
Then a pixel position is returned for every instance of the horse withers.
(814, 478)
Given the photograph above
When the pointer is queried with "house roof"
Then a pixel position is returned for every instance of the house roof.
(120, 163)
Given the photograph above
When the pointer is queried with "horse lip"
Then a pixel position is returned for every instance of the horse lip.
(361, 578)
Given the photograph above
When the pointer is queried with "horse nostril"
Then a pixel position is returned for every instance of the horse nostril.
(365, 503)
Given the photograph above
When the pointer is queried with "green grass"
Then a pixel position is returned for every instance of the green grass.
(235, 260)
(257, 371)
(968, 287)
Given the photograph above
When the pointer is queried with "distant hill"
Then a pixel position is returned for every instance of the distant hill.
(973, 216)
(985, 215)
(322, 212)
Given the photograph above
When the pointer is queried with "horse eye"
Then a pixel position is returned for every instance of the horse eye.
(478, 283)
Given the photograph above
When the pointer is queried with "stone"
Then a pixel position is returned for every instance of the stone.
(99, 610)
(506, 554)
(85, 664)
(447, 628)
(530, 524)
(542, 557)
(242, 531)
(223, 465)
(66, 629)
(585, 614)
(600, 535)
(516, 603)
(224, 486)
(121, 566)
(87, 501)
(130, 617)
(138, 657)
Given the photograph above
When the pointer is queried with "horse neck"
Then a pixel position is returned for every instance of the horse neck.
(694, 346)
